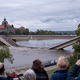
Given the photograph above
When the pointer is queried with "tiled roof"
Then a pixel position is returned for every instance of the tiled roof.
(1, 26)
(22, 27)
(8, 25)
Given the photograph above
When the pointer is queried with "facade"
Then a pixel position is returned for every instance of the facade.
(5, 27)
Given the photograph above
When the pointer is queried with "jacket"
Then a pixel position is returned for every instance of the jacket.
(41, 75)
(72, 74)
(59, 74)
(2, 77)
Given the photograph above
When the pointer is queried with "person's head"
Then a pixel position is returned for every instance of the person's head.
(62, 62)
(30, 75)
(37, 65)
(2, 69)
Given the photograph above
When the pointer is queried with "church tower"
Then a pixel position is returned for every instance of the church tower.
(4, 23)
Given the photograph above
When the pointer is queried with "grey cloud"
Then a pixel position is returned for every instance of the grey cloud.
(45, 14)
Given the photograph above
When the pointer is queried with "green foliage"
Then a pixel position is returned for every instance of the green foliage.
(50, 72)
(26, 31)
(76, 46)
(77, 32)
(31, 33)
(76, 54)
(73, 58)
(5, 54)
(44, 32)
(17, 31)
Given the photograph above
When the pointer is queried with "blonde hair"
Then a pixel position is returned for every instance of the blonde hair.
(62, 62)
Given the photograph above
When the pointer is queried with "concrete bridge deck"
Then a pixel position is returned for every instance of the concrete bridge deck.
(9, 42)
(65, 44)
(41, 36)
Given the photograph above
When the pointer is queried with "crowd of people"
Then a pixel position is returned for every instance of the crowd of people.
(37, 71)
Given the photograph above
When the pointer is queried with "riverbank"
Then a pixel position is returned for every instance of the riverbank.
(22, 70)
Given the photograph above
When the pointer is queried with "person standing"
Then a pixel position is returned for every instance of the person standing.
(29, 75)
(38, 68)
(62, 73)
(2, 69)
(74, 70)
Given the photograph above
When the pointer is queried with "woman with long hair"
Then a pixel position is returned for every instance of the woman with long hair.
(38, 68)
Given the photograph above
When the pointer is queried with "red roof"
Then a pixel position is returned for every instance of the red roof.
(8, 25)
(1, 26)
(22, 27)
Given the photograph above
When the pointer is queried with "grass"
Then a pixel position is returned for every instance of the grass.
(24, 39)
(22, 69)
(49, 72)
(21, 39)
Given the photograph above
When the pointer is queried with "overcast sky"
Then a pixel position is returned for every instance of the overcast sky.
(55, 15)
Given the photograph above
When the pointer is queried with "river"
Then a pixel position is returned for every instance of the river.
(35, 49)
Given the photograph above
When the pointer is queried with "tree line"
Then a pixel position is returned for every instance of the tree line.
(38, 32)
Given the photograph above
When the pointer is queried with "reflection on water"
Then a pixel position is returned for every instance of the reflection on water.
(24, 56)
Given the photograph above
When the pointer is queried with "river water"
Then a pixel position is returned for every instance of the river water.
(35, 49)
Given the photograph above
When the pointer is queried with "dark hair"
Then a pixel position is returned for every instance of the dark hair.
(37, 65)
(2, 69)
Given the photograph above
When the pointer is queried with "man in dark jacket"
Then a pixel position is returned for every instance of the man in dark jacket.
(2, 69)
(72, 74)
(62, 73)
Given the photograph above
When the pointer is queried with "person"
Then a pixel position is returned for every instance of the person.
(30, 75)
(38, 68)
(68, 66)
(13, 73)
(62, 73)
(2, 69)
(74, 70)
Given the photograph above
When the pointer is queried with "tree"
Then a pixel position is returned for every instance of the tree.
(26, 31)
(31, 33)
(50, 32)
(76, 53)
(17, 31)
(5, 54)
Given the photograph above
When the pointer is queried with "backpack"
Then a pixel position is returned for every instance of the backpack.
(41, 76)
(19, 77)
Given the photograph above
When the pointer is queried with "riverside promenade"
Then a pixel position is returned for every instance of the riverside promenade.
(14, 37)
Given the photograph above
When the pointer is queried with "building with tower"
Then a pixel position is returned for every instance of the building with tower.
(5, 27)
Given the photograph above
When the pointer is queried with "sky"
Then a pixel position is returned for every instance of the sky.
(54, 15)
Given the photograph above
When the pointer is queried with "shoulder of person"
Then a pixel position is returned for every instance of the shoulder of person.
(53, 76)
(3, 78)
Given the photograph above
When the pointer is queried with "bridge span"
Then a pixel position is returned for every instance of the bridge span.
(8, 40)
(41, 36)
(65, 44)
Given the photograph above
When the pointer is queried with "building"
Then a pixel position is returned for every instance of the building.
(5, 27)
(22, 28)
